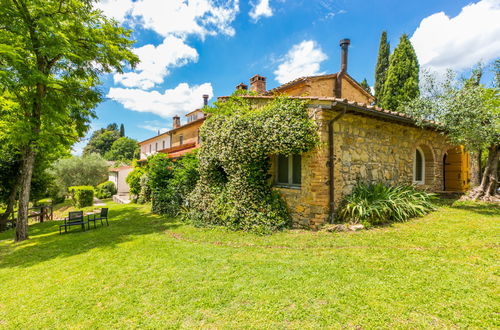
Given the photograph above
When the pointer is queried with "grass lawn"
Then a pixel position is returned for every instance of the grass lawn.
(153, 272)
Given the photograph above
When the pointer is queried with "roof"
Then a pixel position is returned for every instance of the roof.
(196, 110)
(325, 76)
(118, 169)
(191, 123)
(361, 108)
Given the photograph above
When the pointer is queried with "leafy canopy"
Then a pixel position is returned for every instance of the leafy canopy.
(52, 53)
(123, 149)
(81, 171)
(469, 112)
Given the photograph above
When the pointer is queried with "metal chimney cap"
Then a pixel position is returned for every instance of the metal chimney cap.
(345, 42)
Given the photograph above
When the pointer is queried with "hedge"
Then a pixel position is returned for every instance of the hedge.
(106, 189)
(82, 195)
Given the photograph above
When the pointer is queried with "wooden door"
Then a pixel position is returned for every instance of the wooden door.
(456, 170)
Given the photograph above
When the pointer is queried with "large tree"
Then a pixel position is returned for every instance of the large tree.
(401, 84)
(469, 114)
(123, 149)
(101, 141)
(384, 51)
(52, 53)
(80, 171)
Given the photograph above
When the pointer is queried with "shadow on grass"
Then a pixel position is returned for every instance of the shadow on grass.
(45, 243)
(489, 209)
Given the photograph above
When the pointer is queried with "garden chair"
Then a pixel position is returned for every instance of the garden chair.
(102, 216)
(74, 219)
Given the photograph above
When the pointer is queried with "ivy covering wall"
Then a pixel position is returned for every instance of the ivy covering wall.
(238, 138)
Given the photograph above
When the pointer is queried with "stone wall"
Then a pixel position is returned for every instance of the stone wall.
(372, 150)
(367, 149)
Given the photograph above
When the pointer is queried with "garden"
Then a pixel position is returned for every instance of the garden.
(146, 270)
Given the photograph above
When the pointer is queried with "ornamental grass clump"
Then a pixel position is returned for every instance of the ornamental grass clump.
(379, 203)
(234, 189)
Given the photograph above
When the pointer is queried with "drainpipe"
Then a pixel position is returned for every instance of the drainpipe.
(331, 164)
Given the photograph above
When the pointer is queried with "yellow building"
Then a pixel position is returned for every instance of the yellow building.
(178, 141)
(359, 141)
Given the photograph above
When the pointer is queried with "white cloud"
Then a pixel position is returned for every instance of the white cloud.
(181, 18)
(177, 101)
(154, 126)
(177, 17)
(460, 42)
(155, 62)
(260, 9)
(302, 60)
(117, 9)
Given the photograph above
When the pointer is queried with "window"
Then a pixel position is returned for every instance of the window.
(163, 144)
(149, 148)
(418, 167)
(156, 146)
(288, 170)
(181, 139)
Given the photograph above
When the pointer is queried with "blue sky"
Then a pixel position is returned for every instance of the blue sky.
(191, 48)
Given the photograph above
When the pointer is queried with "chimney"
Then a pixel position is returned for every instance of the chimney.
(205, 100)
(258, 84)
(344, 45)
(177, 122)
(242, 86)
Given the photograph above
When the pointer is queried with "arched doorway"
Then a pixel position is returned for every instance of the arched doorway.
(456, 170)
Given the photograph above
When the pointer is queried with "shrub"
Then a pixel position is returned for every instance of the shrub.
(377, 203)
(82, 195)
(134, 180)
(106, 189)
(145, 190)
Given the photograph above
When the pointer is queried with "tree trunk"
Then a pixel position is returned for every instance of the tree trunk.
(11, 202)
(489, 181)
(24, 195)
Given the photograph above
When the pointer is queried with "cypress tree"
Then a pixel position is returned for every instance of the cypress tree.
(401, 84)
(384, 51)
(366, 86)
(122, 130)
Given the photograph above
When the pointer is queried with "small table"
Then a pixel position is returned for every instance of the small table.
(89, 214)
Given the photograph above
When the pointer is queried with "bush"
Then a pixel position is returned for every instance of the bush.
(134, 180)
(106, 189)
(378, 203)
(82, 195)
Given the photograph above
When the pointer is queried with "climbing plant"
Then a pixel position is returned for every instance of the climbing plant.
(238, 139)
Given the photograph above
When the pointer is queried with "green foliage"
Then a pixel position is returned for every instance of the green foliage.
(123, 149)
(169, 195)
(145, 190)
(106, 189)
(122, 130)
(378, 203)
(237, 139)
(365, 86)
(401, 84)
(470, 113)
(82, 196)
(382, 66)
(101, 141)
(10, 163)
(133, 179)
(86, 170)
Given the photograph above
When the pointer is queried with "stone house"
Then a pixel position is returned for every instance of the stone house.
(178, 141)
(359, 141)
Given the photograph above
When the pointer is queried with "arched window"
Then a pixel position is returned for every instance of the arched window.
(419, 167)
